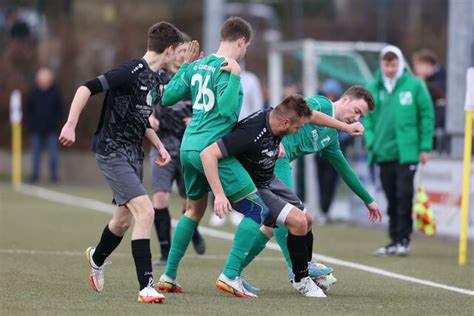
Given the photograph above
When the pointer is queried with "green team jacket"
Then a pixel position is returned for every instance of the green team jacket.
(412, 119)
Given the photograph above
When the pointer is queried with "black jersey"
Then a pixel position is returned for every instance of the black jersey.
(171, 118)
(254, 145)
(132, 92)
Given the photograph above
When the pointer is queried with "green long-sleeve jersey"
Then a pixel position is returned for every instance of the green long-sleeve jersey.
(314, 138)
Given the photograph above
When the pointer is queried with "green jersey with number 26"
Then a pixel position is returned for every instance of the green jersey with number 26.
(206, 82)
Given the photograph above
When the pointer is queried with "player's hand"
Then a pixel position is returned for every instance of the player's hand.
(424, 157)
(355, 129)
(68, 134)
(231, 65)
(374, 212)
(192, 53)
(282, 152)
(222, 206)
(163, 157)
(186, 121)
(154, 122)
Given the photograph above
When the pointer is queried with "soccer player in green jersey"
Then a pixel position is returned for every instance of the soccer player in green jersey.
(213, 83)
(351, 107)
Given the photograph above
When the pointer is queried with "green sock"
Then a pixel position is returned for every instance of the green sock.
(281, 235)
(258, 246)
(244, 239)
(181, 239)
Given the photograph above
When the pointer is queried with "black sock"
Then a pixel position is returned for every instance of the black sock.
(142, 257)
(298, 254)
(309, 244)
(163, 230)
(107, 244)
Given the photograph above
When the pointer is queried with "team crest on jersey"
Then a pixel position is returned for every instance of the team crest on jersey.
(151, 97)
(406, 98)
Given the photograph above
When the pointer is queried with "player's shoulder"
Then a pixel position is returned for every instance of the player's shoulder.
(320, 103)
(133, 65)
(258, 118)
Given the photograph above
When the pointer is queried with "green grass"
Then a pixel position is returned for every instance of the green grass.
(44, 283)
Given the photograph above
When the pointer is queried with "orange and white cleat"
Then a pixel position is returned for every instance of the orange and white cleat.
(150, 295)
(234, 287)
(167, 284)
(96, 274)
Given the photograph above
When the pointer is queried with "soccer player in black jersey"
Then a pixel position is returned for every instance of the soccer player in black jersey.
(170, 123)
(256, 143)
(131, 93)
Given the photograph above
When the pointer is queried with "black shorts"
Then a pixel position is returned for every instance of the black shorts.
(280, 200)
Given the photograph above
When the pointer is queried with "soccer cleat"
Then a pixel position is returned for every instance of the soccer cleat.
(315, 270)
(249, 287)
(403, 248)
(308, 288)
(389, 250)
(167, 284)
(96, 274)
(234, 287)
(325, 282)
(150, 295)
(198, 243)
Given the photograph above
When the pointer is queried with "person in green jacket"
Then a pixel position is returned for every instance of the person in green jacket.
(399, 135)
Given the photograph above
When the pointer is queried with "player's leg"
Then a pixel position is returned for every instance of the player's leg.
(196, 190)
(162, 180)
(110, 239)
(405, 190)
(241, 191)
(143, 215)
(198, 241)
(35, 156)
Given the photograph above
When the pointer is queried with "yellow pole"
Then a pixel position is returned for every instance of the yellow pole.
(465, 188)
(16, 156)
(469, 107)
(15, 120)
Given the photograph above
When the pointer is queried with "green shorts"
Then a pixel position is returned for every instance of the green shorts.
(283, 171)
(234, 178)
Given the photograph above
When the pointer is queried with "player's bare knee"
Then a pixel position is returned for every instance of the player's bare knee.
(296, 223)
(309, 221)
(160, 199)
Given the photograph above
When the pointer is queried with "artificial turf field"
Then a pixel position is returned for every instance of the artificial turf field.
(44, 270)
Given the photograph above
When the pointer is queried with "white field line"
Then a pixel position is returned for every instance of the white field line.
(67, 253)
(107, 208)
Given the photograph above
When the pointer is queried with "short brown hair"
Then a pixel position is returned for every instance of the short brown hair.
(234, 28)
(293, 105)
(359, 92)
(163, 35)
(426, 55)
(389, 56)
(186, 38)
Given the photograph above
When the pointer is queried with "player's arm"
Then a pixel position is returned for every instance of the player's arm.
(319, 118)
(344, 169)
(232, 144)
(426, 121)
(110, 80)
(178, 87)
(164, 157)
(228, 90)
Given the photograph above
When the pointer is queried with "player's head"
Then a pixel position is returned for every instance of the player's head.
(354, 104)
(163, 38)
(238, 32)
(390, 64)
(180, 51)
(290, 115)
(424, 62)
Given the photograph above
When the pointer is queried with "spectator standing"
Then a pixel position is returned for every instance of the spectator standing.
(399, 135)
(43, 113)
